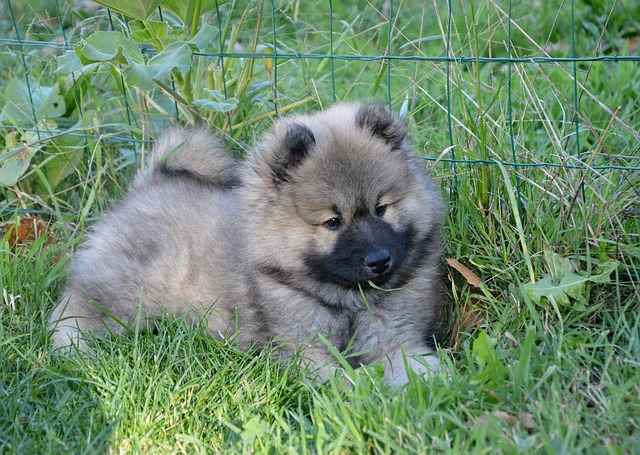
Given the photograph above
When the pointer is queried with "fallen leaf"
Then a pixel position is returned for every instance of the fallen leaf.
(506, 417)
(470, 319)
(467, 273)
(28, 229)
(526, 419)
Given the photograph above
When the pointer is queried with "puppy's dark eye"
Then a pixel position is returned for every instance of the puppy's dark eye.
(381, 210)
(333, 223)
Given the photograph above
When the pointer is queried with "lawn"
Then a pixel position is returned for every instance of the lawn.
(542, 342)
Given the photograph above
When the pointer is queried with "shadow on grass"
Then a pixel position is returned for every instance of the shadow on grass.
(49, 405)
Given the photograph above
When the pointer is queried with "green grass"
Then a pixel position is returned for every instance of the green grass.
(554, 375)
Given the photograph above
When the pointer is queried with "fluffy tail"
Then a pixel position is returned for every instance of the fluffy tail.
(193, 154)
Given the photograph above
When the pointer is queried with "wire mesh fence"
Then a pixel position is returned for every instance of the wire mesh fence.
(472, 131)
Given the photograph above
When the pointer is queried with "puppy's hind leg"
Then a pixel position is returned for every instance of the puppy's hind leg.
(72, 316)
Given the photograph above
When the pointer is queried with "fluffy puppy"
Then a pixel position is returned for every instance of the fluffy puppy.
(328, 232)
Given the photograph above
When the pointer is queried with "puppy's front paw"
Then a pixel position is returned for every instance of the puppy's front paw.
(396, 374)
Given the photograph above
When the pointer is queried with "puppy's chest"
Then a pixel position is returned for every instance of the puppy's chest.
(292, 314)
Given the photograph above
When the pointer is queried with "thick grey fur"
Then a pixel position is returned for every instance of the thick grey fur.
(202, 235)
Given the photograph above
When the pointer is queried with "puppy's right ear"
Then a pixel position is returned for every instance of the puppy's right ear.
(295, 147)
(381, 123)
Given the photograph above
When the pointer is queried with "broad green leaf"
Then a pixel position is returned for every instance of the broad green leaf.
(61, 166)
(557, 265)
(63, 156)
(216, 102)
(523, 366)
(100, 46)
(138, 75)
(571, 285)
(562, 283)
(255, 427)
(176, 55)
(206, 38)
(68, 63)
(152, 32)
(181, 7)
(108, 46)
(130, 50)
(491, 368)
(47, 102)
(14, 163)
(177, 7)
(606, 269)
(136, 9)
(483, 351)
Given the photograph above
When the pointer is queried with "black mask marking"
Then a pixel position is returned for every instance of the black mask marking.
(345, 265)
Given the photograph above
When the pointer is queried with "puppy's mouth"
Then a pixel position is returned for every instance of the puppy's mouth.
(362, 282)
(381, 280)
(367, 279)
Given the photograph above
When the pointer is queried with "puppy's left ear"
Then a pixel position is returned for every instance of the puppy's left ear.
(294, 147)
(298, 141)
(381, 123)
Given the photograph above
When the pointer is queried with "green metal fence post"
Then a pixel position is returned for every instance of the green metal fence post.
(453, 191)
(512, 140)
(27, 79)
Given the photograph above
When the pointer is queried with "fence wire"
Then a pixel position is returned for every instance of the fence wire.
(276, 55)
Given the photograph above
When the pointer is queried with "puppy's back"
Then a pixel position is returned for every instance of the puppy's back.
(193, 154)
(168, 247)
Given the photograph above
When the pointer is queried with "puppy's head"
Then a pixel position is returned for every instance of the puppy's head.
(338, 197)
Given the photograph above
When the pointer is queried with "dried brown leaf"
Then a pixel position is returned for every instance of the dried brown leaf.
(525, 419)
(465, 271)
(506, 417)
(28, 229)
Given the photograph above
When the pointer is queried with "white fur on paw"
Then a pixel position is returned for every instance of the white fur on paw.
(396, 374)
(66, 337)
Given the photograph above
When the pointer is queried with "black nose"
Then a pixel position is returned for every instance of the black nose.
(378, 261)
